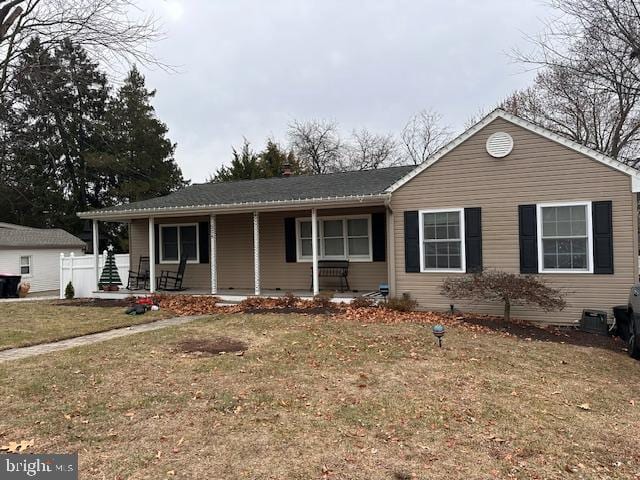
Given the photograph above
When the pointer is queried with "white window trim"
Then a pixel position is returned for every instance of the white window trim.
(30, 257)
(321, 255)
(463, 260)
(589, 268)
(176, 262)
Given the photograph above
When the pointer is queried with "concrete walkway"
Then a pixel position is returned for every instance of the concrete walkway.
(24, 352)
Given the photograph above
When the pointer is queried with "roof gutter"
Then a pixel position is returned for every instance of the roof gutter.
(329, 202)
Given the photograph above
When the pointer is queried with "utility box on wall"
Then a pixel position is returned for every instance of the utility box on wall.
(594, 321)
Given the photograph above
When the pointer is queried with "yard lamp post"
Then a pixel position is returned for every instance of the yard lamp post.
(438, 332)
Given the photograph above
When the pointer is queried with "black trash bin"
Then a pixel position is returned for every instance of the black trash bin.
(9, 286)
(623, 327)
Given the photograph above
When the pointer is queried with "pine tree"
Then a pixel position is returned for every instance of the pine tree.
(248, 165)
(245, 165)
(143, 162)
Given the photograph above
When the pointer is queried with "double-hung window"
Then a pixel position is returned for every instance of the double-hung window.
(442, 246)
(177, 241)
(25, 265)
(564, 236)
(339, 238)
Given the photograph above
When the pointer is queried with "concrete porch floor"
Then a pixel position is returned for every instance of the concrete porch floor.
(237, 295)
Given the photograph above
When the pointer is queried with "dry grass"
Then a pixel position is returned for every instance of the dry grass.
(30, 323)
(316, 398)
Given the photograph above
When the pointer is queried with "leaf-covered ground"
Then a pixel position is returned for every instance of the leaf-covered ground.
(29, 323)
(315, 397)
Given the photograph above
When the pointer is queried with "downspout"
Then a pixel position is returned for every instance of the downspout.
(391, 247)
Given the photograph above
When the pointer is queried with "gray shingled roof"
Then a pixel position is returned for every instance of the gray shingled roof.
(12, 236)
(303, 187)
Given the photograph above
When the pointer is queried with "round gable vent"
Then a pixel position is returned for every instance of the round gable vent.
(499, 144)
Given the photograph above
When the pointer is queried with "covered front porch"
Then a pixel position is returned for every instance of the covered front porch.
(264, 252)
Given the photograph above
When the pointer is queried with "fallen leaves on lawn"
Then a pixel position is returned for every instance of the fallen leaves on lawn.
(17, 447)
(184, 305)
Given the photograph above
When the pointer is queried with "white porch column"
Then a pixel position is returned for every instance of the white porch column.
(152, 255)
(314, 250)
(256, 252)
(212, 255)
(96, 252)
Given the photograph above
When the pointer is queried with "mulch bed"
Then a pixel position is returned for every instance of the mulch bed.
(95, 302)
(213, 346)
(527, 331)
(207, 305)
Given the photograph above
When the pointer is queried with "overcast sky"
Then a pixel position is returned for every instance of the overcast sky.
(247, 68)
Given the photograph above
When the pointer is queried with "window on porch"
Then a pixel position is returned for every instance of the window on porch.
(339, 238)
(179, 240)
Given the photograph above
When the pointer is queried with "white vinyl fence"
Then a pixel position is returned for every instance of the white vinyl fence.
(81, 272)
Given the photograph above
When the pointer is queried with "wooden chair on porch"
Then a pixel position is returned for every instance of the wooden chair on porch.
(141, 276)
(172, 281)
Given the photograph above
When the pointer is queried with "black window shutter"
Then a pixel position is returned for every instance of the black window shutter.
(203, 239)
(602, 237)
(290, 249)
(528, 239)
(473, 239)
(156, 242)
(379, 236)
(411, 242)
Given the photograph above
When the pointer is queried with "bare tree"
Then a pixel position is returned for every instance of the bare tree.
(588, 88)
(423, 135)
(590, 37)
(367, 151)
(575, 106)
(106, 28)
(317, 145)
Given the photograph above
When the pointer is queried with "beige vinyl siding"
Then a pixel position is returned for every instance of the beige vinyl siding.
(538, 170)
(235, 254)
(197, 276)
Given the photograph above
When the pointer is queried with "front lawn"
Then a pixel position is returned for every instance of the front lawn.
(315, 398)
(29, 323)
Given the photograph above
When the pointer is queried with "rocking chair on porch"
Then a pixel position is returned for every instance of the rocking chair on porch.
(141, 276)
(172, 281)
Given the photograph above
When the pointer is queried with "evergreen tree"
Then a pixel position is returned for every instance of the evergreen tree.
(245, 165)
(143, 162)
(68, 145)
(273, 159)
(248, 165)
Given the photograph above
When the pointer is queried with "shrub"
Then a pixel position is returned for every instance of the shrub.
(69, 291)
(402, 304)
(362, 302)
(508, 288)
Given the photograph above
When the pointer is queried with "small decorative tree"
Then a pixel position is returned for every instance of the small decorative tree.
(69, 291)
(508, 288)
(110, 277)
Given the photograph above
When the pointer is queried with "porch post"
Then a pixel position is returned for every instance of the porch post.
(256, 253)
(314, 250)
(96, 252)
(152, 255)
(390, 254)
(212, 255)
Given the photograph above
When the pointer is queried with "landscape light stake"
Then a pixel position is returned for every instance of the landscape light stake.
(438, 332)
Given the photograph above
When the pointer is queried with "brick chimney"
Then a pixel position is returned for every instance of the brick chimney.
(286, 170)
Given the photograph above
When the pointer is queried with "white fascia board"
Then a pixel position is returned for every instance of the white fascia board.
(499, 113)
(277, 205)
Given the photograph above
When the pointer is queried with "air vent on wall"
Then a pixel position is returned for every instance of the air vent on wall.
(499, 144)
